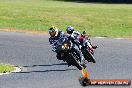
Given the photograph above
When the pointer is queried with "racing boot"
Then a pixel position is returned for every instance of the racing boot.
(94, 47)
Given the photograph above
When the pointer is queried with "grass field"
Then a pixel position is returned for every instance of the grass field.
(112, 20)
(5, 68)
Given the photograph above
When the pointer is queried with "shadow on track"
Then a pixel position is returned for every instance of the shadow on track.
(47, 65)
(47, 71)
(56, 70)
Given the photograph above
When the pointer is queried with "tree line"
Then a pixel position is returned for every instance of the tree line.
(104, 1)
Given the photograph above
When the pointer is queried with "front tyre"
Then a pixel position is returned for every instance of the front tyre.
(91, 57)
(75, 62)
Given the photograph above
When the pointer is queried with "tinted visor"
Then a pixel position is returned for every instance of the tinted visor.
(52, 34)
(50, 31)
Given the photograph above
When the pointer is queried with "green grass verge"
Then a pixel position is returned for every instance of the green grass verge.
(6, 68)
(112, 20)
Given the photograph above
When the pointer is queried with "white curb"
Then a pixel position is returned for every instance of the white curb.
(17, 69)
(111, 38)
(100, 37)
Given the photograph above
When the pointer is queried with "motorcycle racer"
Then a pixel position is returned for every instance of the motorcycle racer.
(56, 38)
(74, 38)
(82, 42)
(85, 38)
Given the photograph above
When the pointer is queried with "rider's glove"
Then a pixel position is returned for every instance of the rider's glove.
(80, 46)
(54, 49)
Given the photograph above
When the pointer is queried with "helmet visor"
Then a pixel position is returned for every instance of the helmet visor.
(52, 34)
(50, 31)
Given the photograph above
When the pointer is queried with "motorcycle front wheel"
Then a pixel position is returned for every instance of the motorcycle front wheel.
(75, 62)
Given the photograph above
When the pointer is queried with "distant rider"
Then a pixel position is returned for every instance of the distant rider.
(85, 38)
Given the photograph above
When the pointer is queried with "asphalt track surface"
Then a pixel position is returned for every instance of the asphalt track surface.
(41, 69)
